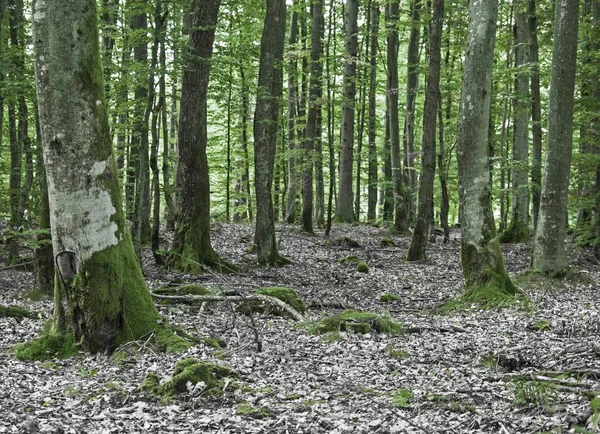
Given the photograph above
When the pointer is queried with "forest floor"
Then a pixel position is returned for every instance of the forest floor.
(516, 370)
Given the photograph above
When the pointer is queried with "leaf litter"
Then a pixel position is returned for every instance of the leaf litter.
(509, 371)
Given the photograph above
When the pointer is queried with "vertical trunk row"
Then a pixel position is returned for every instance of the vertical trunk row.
(291, 122)
(372, 180)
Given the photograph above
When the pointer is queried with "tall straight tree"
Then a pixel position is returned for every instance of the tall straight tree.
(518, 229)
(192, 246)
(418, 245)
(549, 255)
(292, 193)
(313, 123)
(372, 180)
(536, 114)
(270, 84)
(400, 203)
(100, 295)
(344, 211)
(482, 262)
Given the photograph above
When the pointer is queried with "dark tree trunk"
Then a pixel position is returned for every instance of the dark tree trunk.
(269, 89)
(418, 246)
(192, 247)
(372, 180)
(291, 122)
(536, 115)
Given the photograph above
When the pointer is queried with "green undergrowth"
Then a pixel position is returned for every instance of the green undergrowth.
(244, 408)
(207, 379)
(287, 295)
(357, 322)
(449, 403)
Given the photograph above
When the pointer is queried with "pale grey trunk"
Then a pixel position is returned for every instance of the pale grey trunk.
(344, 210)
(549, 256)
(292, 193)
(372, 183)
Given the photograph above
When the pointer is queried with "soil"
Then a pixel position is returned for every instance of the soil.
(516, 370)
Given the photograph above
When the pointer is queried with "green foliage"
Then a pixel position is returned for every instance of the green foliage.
(396, 353)
(358, 322)
(388, 297)
(542, 326)
(214, 342)
(539, 394)
(402, 397)
(450, 403)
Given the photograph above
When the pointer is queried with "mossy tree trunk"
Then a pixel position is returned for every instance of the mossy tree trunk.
(269, 89)
(549, 255)
(418, 245)
(482, 262)
(100, 294)
(344, 211)
(192, 246)
(518, 229)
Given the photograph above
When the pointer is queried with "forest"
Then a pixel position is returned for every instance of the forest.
(297, 216)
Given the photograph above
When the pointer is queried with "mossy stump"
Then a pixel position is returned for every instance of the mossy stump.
(189, 289)
(357, 322)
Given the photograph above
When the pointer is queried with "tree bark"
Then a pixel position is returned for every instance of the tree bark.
(269, 89)
(418, 245)
(372, 179)
(481, 258)
(518, 230)
(549, 255)
(344, 210)
(192, 248)
(312, 138)
(400, 196)
(292, 200)
(100, 296)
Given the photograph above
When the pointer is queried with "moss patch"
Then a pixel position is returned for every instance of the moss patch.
(388, 298)
(386, 242)
(15, 312)
(352, 259)
(489, 297)
(49, 345)
(395, 352)
(358, 322)
(188, 372)
(402, 397)
(214, 342)
(189, 289)
(362, 267)
(246, 409)
(287, 295)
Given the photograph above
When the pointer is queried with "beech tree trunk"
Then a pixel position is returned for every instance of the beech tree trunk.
(482, 262)
(100, 295)
(292, 198)
(418, 245)
(536, 116)
(518, 229)
(549, 255)
(192, 247)
(372, 180)
(269, 89)
(344, 210)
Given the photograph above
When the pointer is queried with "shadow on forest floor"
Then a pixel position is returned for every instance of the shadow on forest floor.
(511, 371)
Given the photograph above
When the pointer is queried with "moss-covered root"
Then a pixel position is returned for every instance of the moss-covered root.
(286, 295)
(48, 346)
(189, 372)
(358, 322)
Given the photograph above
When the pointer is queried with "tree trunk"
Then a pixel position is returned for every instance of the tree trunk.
(482, 262)
(166, 146)
(291, 122)
(192, 246)
(312, 139)
(549, 255)
(418, 245)
(536, 115)
(344, 210)
(269, 89)
(100, 296)
(400, 196)
(518, 230)
(412, 84)
(372, 180)
(331, 44)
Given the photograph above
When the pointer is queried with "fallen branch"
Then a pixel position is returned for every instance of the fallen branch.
(235, 298)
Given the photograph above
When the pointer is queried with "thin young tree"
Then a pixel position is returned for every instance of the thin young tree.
(549, 255)
(192, 248)
(372, 179)
(481, 258)
(418, 245)
(100, 297)
(292, 194)
(266, 115)
(536, 114)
